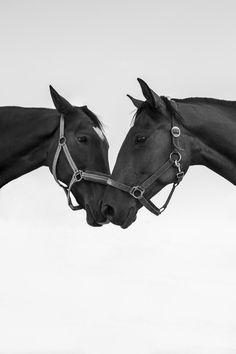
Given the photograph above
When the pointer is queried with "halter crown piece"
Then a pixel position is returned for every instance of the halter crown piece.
(174, 161)
(78, 175)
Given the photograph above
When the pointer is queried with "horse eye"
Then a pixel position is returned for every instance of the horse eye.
(82, 139)
(140, 139)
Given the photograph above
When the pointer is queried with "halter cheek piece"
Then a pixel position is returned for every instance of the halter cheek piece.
(78, 175)
(174, 161)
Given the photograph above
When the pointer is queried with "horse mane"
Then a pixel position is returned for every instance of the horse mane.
(97, 123)
(206, 100)
(170, 107)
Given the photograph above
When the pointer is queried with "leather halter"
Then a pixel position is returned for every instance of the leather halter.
(174, 161)
(78, 175)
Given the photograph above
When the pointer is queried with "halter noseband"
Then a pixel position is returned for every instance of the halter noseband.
(78, 175)
(174, 160)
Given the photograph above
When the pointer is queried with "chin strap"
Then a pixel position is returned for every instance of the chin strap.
(78, 175)
(174, 161)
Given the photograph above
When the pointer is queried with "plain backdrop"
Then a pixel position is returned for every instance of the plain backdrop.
(167, 284)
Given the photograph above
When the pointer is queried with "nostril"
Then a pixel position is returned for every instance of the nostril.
(108, 211)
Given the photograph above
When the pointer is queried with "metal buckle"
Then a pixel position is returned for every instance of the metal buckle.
(78, 176)
(175, 131)
(137, 192)
(175, 153)
(180, 175)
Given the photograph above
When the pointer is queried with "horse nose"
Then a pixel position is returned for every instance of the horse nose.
(108, 211)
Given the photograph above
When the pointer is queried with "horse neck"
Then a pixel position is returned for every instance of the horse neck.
(210, 128)
(26, 134)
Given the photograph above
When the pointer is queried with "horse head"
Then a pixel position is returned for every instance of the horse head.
(147, 158)
(79, 145)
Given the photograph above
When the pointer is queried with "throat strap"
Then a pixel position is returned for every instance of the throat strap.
(152, 207)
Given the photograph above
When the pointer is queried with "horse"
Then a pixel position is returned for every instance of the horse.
(166, 138)
(68, 140)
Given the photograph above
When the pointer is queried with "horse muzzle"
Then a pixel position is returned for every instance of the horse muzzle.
(95, 217)
(119, 211)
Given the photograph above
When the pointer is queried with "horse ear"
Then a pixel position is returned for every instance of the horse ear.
(137, 103)
(61, 104)
(152, 97)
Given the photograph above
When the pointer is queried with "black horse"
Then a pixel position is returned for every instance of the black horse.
(30, 139)
(166, 138)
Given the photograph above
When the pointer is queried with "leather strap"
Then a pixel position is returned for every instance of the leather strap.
(164, 168)
(119, 185)
(152, 207)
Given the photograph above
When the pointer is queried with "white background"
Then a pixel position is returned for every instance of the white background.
(167, 284)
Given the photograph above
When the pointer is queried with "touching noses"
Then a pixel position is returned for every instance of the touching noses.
(108, 211)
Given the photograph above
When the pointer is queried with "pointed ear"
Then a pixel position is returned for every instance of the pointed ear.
(137, 103)
(152, 97)
(61, 104)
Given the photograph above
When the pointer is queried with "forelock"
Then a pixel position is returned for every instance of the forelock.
(94, 119)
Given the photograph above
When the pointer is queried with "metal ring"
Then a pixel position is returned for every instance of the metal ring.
(175, 131)
(62, 140)
(176, 153)
(137, 192)
(78, 176)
